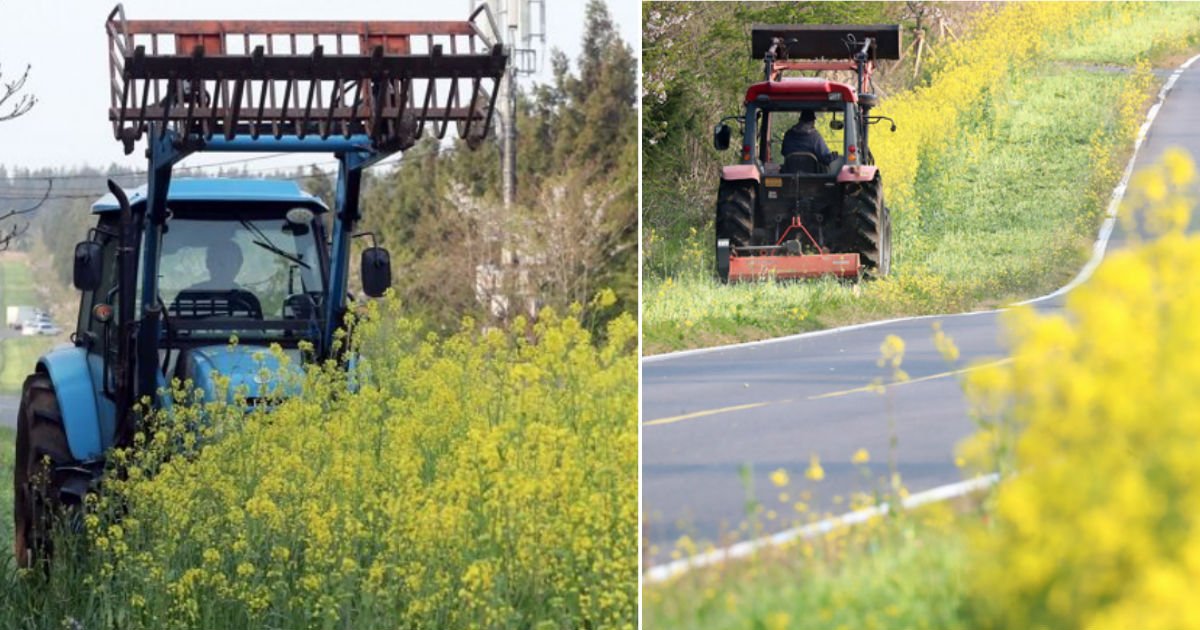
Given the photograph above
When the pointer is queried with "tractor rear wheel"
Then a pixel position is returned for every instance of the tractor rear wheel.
(735, 213)
(41, 446)
(873, 223)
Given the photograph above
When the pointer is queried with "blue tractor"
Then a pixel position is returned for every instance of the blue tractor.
(174, 269)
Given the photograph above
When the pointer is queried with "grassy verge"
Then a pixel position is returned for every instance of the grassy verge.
(7, 439)
(1003, 211)
(902, 573)
(18, 354)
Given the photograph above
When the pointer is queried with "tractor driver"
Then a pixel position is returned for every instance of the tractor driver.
(803, 137)
(224, 261)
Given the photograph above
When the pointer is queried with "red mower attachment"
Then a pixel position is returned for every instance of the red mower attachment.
(784, 260)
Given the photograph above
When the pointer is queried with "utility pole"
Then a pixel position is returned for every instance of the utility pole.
(522, 25)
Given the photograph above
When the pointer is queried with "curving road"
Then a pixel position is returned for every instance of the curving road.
(772, 404)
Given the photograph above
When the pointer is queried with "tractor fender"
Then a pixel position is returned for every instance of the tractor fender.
(737, 172)
(68, 370)
(862, 173)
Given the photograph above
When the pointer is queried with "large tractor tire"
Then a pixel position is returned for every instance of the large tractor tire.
(735, 213)
(41, 445)
(873, 224)
(734, 222)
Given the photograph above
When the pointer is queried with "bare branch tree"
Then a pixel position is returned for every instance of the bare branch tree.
(10, 91)
(6, 238)
(35, 206)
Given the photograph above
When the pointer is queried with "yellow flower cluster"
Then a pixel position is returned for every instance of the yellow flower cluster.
(484, 480)
(1006, 37)
(1098, 414)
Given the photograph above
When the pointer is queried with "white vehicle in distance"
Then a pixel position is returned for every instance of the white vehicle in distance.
(39, 317)
(40, 328)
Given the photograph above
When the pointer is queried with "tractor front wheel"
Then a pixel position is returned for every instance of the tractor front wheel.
(41, 446)
(874, 227)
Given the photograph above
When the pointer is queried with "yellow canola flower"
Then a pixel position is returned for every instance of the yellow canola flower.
(780, 478)
(814, 472)
(1099, 415)
(891, 352)
(481, 479)
(861, 456)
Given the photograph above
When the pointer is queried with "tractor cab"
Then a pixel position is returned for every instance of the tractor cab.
(244, 259)
(775, 108)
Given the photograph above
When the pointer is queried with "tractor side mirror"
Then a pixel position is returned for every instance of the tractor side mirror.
(721, 134)
(837, 125)
(88, 269)
(376, 271)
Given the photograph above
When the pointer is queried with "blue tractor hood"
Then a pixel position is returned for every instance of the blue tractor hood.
(252, 371)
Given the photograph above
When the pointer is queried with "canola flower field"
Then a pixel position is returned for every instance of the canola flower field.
(996, 177)
(1094, 523)
(486, 480)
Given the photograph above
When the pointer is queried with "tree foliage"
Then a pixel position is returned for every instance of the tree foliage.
(440, 212)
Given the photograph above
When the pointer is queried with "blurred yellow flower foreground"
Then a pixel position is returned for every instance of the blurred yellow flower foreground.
(483, 480)
(1099, 416)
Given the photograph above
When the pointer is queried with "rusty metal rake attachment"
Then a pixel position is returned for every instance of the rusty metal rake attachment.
(385, 80)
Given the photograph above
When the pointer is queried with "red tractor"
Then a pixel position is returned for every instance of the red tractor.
(806, 214)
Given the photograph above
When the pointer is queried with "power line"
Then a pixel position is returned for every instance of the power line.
(69, 195)
(178, 168)
(391, 160)
(100, 175)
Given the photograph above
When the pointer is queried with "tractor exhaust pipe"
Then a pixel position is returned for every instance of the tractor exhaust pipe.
(127, 280)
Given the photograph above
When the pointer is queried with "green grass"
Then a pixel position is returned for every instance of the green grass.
(18, 354)
(7, 439)
(16, 284)
(1164, 29)
(904, 574)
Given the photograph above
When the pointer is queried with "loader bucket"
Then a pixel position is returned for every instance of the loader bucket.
(381, 80)
(826, 41)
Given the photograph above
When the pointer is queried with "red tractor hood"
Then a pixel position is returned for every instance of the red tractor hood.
(800, 89)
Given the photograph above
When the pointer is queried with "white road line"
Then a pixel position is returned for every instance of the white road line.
(940, 493)
(1098, 250)
(664, 572)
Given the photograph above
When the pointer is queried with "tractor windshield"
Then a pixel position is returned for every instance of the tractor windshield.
(223, 273)
(781, 129)
(784, 123)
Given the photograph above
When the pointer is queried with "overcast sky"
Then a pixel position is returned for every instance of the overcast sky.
(64, 41)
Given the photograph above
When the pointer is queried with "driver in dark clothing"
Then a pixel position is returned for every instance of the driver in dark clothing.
(803, 137)
(224, 262)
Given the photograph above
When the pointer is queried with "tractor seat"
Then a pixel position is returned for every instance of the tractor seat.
(802, 163)
(236, 303)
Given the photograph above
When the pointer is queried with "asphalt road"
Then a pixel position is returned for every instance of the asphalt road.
(8, 410)
(772, 405)
(8, 403)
